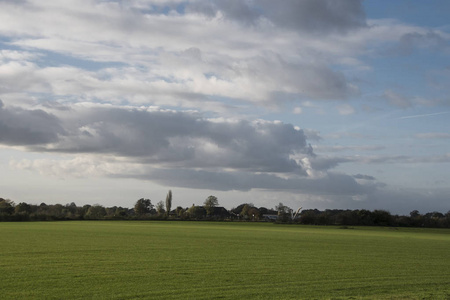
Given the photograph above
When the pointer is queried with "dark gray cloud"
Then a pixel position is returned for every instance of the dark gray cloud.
(313, 16)
(21, 127)
(178, 139)
(188, 139)
(321, 16)
(330, 184)
(181, 148)
(362, 176)
(415, 40)
(323, 163)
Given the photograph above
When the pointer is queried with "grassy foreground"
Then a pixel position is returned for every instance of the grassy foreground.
(199, 260)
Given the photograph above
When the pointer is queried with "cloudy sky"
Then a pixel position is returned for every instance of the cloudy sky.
(320, 104)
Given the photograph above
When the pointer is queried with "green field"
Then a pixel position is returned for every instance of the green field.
(200, 260)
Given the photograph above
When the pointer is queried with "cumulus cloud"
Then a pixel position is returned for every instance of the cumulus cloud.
(21, 127)
(178, 148)
(158, 136)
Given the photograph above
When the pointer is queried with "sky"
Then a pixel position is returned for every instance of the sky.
(315, 103)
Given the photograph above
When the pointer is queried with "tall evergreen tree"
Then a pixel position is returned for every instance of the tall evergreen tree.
(168, 202)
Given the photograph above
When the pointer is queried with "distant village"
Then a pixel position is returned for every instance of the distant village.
(144, 209)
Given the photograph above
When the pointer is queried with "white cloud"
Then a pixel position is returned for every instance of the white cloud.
(248, 65)
(183, 59)
(346, 109)
(297, 110)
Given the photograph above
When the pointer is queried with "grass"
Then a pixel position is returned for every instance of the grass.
(200, 260)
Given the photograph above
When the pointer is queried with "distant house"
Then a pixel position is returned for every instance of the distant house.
(220, 212)
(268, 217)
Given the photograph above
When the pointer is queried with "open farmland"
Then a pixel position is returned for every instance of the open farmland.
(200, 260)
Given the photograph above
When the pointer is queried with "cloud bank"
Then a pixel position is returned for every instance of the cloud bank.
(174, 148)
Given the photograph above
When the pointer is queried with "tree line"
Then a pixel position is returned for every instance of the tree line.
(144, 209)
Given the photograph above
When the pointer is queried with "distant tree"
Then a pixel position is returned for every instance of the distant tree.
(168, 202)
(434, 219)
(120, 212)
(249, 211)
(237, 210)
(180, 211)
(347, 217)
(381, 218)
(160, 208)
(210, 203)
(283, 212)
(110, 211)
(254, 213)
(196, 212)
(143, 207)
(365, 217)
(447, 219)
(414, 214)
(6, 206)
(434, 215)
(22, 208)
(82, 210)
(191, 211)
(96, 212)
(245, 210)
(309, 216)
(72, 207)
